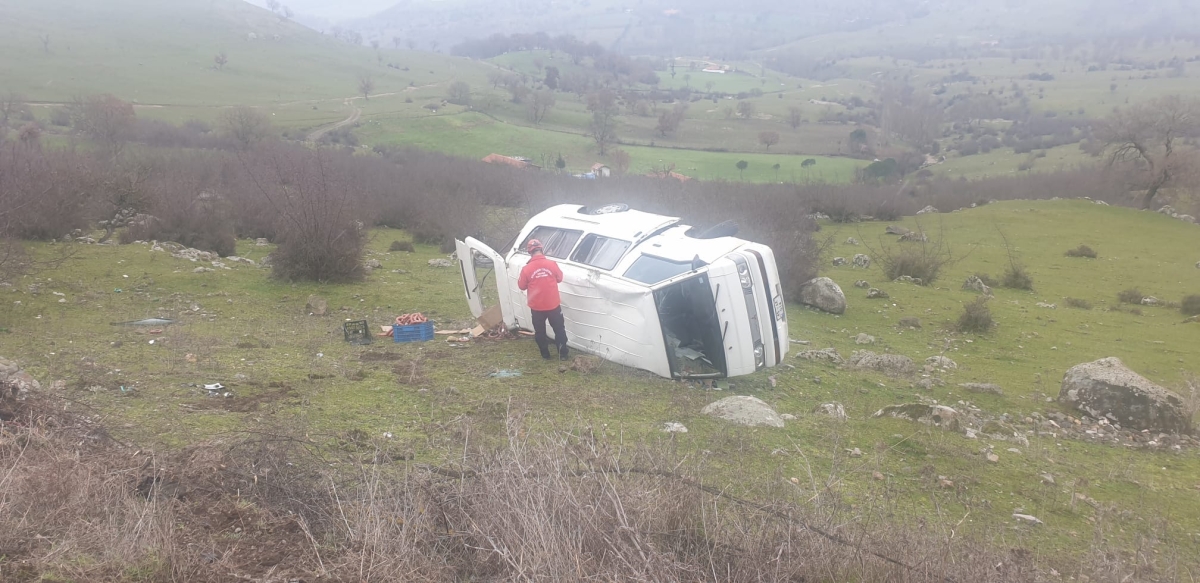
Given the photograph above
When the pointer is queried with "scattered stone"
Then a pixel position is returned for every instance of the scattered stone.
(975, 284)
(914, 323)
(927, 210)
(744, 410)
(825, 355)
(862, 261)
(892, 364)
(908, 279)
(373, 264)
(1047, 306)
(863, 338)
(194, 255)
(440, 263)
(992, 457)
(856, 452)
(835, 410)
(944, 483)
(1167, 210)
(15, 383)
(983, 388)
(878, 476)
(1151, 301)
(671, 427)
(1032, 520)
(219, 265)
(852, 241)
(236, 259)
(1198, 265)
(787, 417)
(1048, 479)
(914, 237)
(839, 261)
(825, 295)
(316, 306)
(936, 415)
(202, 270)
(939, 361)
(1186, 218)
(896, 230)
(1013, 450)
(1106, 389)
(261, 242)
(862, 284)
(877, 294)
(929, 384)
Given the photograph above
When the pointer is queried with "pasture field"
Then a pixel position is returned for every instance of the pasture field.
(288, 370)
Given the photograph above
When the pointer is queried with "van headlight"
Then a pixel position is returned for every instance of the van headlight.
(759, 359)
(744, 276)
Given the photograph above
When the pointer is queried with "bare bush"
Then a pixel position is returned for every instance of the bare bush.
(1190, 306)
(1017, 277)
(1082, 251)
(1132, 295)
(1078, 303)
(107, 120)
(246, 126)
(976, 318)
(405, 246)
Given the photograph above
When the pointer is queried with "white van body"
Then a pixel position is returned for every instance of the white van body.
(641, 290)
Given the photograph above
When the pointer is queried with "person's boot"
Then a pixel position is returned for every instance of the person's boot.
(563, 352)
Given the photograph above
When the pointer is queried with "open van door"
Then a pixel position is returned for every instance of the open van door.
(471, 254)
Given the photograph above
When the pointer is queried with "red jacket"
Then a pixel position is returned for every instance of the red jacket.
(540, 277)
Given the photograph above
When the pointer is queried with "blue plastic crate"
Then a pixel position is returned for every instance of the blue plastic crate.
(422, 332)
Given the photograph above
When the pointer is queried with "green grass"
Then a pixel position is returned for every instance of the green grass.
(1026, 355)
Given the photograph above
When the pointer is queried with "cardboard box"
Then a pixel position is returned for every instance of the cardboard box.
(491, 317)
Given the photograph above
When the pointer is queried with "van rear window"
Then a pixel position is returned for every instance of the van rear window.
(600, 252)
(649, 269)
(556, 243)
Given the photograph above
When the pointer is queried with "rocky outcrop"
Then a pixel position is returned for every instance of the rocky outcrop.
(826, 355)
(1107, 389)
(14, 382)
(744, 411)
(823, 294)
(892, 364)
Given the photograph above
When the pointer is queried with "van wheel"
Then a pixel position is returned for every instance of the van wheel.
(727, 228)
(607, 209)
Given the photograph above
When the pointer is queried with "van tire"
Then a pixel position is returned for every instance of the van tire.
(727, 228)
(607, 209)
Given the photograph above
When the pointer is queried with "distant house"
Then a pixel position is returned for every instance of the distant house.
(514, 161)
(601, 171)
(716, 70)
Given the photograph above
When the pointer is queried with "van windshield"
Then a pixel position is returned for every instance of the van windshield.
(600, 252)
(649, 269)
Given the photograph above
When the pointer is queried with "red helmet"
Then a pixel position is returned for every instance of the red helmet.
(534, 245)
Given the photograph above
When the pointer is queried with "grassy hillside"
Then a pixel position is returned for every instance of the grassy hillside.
(287, 369)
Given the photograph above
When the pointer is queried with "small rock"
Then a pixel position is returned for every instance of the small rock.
(1013, 450)
(373, 264)
(974, 283)
(1047, 306)
(835, 410)
(914, 323)
(941, 362)
(862, 284)
(826, 355)
(862, 261)
(672, 427)
(856, 452)
(852, 241)
(261, 242)
(908, 279)
(878, 476)
(896, 230)
(440, 263)
(943, 482)
(937, 415)
(316, 306)
(991, 457)
(914, 237)
(927, 210)
(1151, 301)
(876, 294)
(839, 261)
(787, 417)
(1032, 520)
(864, 339)
(1048, 479)
(201, 270)
(983, 388)
(894, 364)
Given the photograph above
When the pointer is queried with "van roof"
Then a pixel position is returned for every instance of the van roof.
(629, 225)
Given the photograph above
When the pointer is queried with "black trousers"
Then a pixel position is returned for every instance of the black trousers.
(555, 317)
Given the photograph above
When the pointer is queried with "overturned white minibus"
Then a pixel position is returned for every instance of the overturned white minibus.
(645, 291)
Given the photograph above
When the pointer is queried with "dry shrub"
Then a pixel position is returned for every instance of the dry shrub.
(1132, 295)
(405, 246)
(1078, 303)
(976, 318)
(1190, 306)
(1017, 277)
(1082, 251)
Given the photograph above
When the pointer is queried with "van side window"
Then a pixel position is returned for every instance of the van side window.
(649, 269)
(556, 243)
(601, 252)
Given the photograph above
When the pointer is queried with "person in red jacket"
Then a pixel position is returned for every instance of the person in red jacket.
(540, 278)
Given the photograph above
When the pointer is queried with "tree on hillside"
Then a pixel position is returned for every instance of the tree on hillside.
(246, 126)
(539, 105)
(105, 119)
(620, 162)
(1149, 139)
(287, 13)
(768, 139)
(365, 86)
(273, 5)
(459, 93)
(45, 38)
(220, 60)
(741, 166)
(808, 163)
(375, 44)
(396, 42)
(603, 105)
(552, 76)
(911, 115)
(795, 117)
(746, 109)
(668, 121)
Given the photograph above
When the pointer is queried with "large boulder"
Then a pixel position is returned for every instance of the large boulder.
(316, 306)
(1106, 388)
(14, 382)
(823, 294)
(744, 411)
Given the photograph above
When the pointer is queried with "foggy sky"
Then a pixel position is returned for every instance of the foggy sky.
(333, 10)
